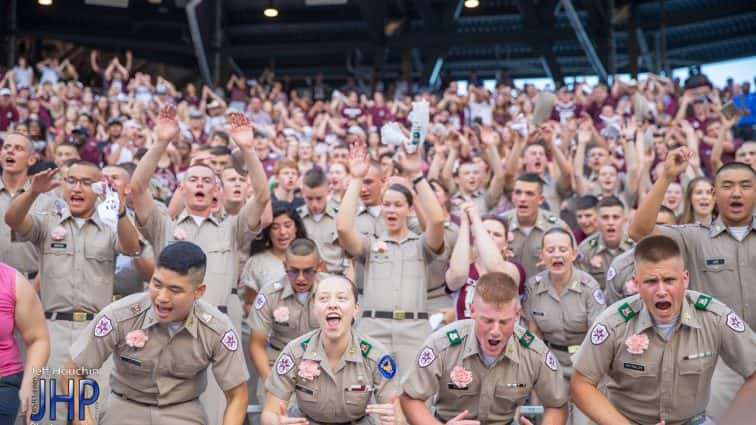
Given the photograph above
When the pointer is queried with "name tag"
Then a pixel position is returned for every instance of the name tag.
(359, 388)
(58, 245)
(635, 366)
(451, 386)
(135, 362)
(304, 389)
(715, 261)
(538, 313)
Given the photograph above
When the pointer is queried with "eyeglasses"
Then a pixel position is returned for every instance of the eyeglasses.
(73, 181)
(294, 273)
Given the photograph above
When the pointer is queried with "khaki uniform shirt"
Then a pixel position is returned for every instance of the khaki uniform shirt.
(22, 256)
(670, 380)
(527, 247)
(262, 269)
(620, 272)
(77, 267)
(564, 318)
(323, 232)
(719, 264)
(495, 391)
(595, 257)
(439, 266)
(365, 373)
(169, 369)
(220, 239)
(396, 273)
(280, 315)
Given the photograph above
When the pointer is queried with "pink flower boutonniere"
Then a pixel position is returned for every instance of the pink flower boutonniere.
(309, 370)
(461, 377)
(58, 233)
(631, 287)
(281, 314)
(179, 234)
(597, 261)
(637, 344)
(136, 338)
(380, 247)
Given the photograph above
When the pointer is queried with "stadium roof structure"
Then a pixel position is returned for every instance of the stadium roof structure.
(392, 38)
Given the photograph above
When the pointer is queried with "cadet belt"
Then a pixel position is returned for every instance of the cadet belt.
(222, 308)
(396, 315)
(697, 420)
(354, 422)
(274, 347)
(557, 347)
(234, 291)
(76, 316)
(117, 297)
(445, 420)
(150, 404)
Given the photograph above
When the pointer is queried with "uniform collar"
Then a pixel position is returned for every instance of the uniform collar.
(330, 210)
(65, 214)
(717, 226)
(315, 351)
(544, 282)
(384, 236)
(183, 215)
(688, 316)
(24, 188)
(477, 194)
(472, 347)
(190, 324)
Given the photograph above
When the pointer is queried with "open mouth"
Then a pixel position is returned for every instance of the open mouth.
(162, 311)
(663, 305)
(333, 320)
(493, 343)
(736, 206)
(557, 263)
(391, 219)
(76, 200)
(9, 161)
(199, 196)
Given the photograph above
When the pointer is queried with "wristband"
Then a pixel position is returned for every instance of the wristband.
(122, 214)
(418, 180)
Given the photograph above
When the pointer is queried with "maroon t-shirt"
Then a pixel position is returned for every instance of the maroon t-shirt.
(8, 114)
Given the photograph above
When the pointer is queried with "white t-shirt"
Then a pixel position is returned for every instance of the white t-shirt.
(740, 232)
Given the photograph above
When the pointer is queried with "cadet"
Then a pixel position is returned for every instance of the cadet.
(319, 218)
(598, 250)
(562, 302)
(396, 263)
(659, 348)
(78, 252)
(16, 156)
(619, 283)
(493, 363)
(337, 375)
(220, 238)
(163, 342)
(527, 223)
(283, 309)
(721, 257)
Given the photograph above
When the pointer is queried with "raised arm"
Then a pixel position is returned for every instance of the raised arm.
(459, 263)
(93, 61)
(716, 150)
(349, 238)
(583, 137)
(17, 217)
(427, 201)
(491, 140)
(645, 217)
(489, 254)
(242, 134)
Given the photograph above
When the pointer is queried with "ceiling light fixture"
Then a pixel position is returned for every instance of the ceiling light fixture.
(270, 11)
(472, 4)
(45, 2)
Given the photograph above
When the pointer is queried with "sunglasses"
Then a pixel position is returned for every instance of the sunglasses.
(294, 273)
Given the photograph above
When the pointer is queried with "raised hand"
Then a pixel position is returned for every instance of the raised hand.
(676, 162)
(167, 128)
(241, 130)
(460, 420)
(358, 160)
(489, 136)
(44, 181)
(385, 412)
(412, 164)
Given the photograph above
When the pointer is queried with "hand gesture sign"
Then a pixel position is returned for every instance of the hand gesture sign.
(44, 181)
(677, 162)
(167, 128)
(241, 131)
(489, 136)
(358, 161)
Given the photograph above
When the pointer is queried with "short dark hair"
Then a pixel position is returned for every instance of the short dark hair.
(733, 166)
(314, 177)
(586, 202)
(396, 187)
(220, 150)
(494, 217)
(129, 167)
(222, 134)
(302, 247)
(610, 201)
(531, 178)
(561, 231)
(656, 248)
(667, 210)
(184, 258)
(84, 163)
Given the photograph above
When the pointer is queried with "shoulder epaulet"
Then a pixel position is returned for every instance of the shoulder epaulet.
(594, 242)
(551, 219)
(626, 311)
(304, 343)
(454, 337)
(302, 210)
(365, 347)
(526, 339)
(214, 320)
(703, 302)
(450, 335)
(130, 306)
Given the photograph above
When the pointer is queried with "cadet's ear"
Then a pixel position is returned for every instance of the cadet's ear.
(199, 291)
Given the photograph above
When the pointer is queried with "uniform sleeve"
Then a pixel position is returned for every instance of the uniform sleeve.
(97, 342)
(260, 318)
(527, 305)
(249, 276)
(243, 234)
(594, 358)
(595, 303)
(422, 381)
(282, 378)
(384, 386)
(154, 230)
(229, 366)
(549, 383)
(39, 230)
(428, 253)
(613, 287)
(738, 344)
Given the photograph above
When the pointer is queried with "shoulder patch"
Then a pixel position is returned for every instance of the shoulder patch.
(304, 343)
(284, 364)
(626, 311)
(103, 327)
(259, 301)
(599, 334)
(526, 339)
(551, 361)
(426, 357)
(735, 323)
(703, 301)
(454, 338)
(387, 366)
(598, 295)
(594, 242)
(230, 340)
(551, 219)
(365, 347)
(610, 273)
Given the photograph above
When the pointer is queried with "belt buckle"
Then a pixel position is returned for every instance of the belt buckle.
(398, 315)
(572, 349)
(79, 316)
